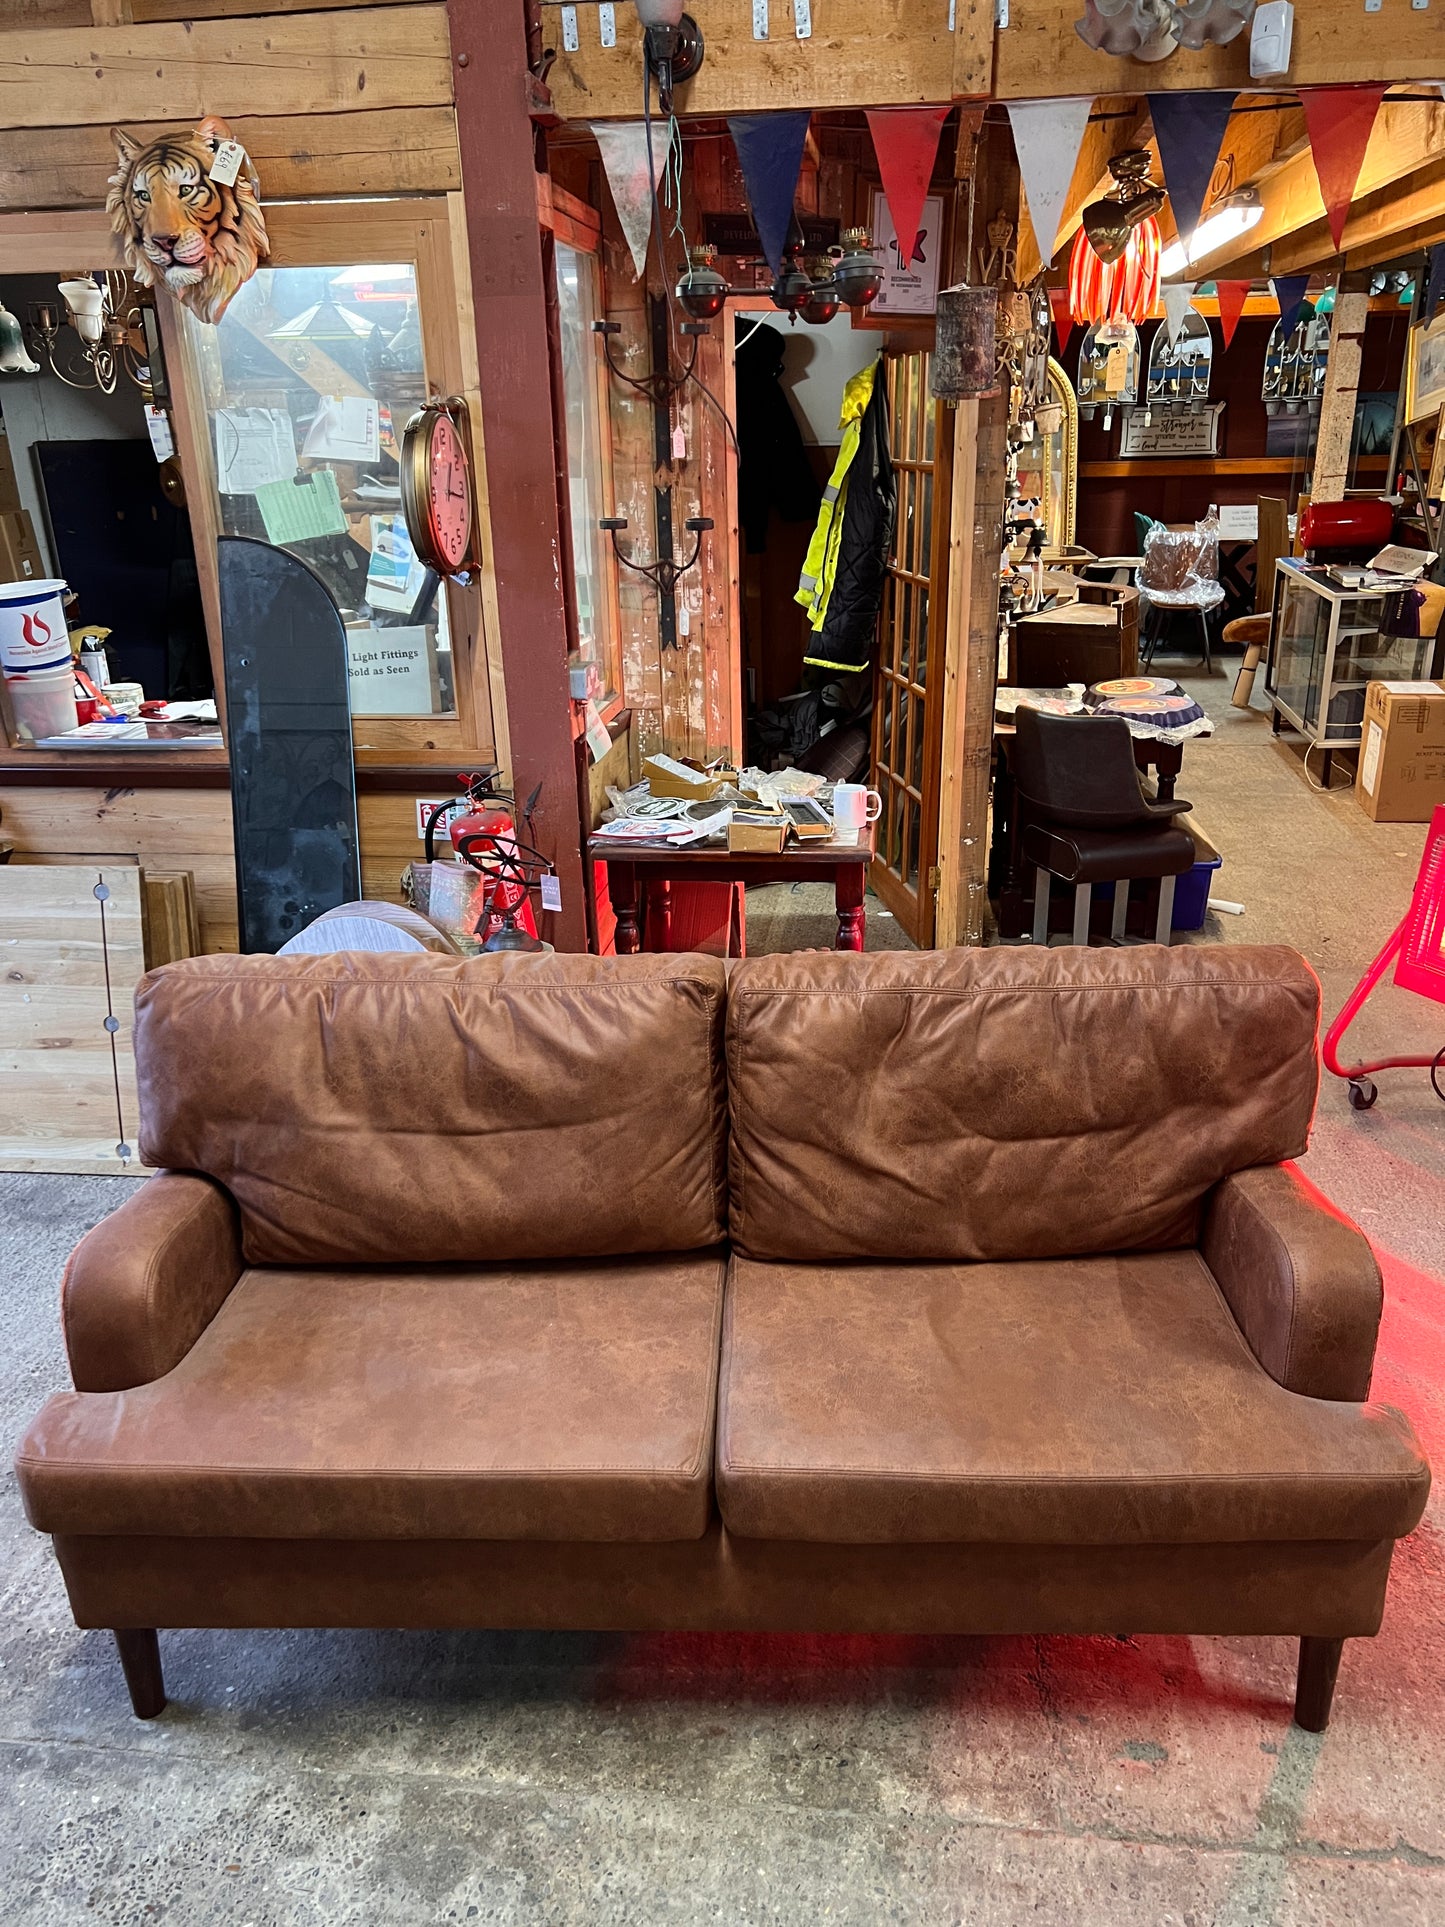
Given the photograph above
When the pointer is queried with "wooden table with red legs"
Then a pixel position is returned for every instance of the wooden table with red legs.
(814, 860)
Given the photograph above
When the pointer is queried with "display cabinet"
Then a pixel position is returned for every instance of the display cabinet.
(1327, 643)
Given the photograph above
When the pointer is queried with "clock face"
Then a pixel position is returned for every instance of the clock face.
(448, 505)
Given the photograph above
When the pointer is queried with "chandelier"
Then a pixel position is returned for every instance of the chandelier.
(104, 329)
(1114, 267)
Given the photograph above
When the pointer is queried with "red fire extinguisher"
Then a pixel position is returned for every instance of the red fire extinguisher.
(488, 817)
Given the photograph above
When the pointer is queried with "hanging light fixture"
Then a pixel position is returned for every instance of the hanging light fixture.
(702, 290)
(109, 323)
(1114, 267)
(14, 355)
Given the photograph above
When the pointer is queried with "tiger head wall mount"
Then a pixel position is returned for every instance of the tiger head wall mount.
(200, 238)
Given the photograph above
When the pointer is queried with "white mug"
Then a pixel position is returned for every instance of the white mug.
(853, 806)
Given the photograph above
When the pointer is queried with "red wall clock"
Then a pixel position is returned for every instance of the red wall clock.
(436, 486)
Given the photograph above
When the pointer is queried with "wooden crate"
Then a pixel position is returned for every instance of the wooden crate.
(69, 961)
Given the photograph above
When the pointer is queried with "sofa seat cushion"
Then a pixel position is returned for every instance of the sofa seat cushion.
(571, 1401)
(1098, 1401)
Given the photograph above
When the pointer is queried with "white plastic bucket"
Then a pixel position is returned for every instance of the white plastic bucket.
(44, 704)
(33, 635)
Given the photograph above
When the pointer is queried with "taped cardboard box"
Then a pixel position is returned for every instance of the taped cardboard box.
(1401, 774)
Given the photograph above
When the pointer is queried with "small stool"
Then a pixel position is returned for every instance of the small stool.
(1252, 634)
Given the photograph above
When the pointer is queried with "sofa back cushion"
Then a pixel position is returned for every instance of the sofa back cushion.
(387, 1108)
(1008, 1103)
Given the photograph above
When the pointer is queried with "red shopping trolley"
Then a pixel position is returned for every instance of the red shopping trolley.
(1417, 950)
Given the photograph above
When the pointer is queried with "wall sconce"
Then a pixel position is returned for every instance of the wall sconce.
(673, 45)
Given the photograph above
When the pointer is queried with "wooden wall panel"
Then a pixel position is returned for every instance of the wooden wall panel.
(312, 63)
(1041, 57)
(67, 1095)
(372, 152)
(168, 829)
(873, 52)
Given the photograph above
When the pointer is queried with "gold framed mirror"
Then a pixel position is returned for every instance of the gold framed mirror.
(1059, 457)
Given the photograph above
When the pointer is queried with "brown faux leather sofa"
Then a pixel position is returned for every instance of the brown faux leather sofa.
(949, 1292)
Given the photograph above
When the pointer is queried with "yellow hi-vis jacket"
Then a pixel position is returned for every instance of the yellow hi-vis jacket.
(820, 565)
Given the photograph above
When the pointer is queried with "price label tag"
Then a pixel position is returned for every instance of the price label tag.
(158, 427)
(228, 162)
(679, 444)
(551, 887)
(684, 620)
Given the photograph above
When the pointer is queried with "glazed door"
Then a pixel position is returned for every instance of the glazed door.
(908, 682)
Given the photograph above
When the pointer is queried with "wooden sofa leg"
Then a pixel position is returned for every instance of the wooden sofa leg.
(1319, 1664)
(140, 1661)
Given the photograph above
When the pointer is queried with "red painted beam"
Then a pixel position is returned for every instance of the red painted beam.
(519, 426)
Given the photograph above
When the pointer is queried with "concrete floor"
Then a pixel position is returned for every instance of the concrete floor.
(311, 1779)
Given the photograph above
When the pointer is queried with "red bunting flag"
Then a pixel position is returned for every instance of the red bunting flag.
(1232, 297)
(1063, 319)
(905, 139)
(1339, 121)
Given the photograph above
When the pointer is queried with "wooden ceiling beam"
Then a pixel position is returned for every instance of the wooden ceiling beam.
(1408, 135)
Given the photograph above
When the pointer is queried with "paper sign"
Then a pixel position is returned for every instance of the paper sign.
(158, 427)
(227, 164)
(912, 289)
(424, 807)
(599, 739)
(346, 428)
(1239, 521)
(390, 671)
(394, 577)
(298, 511)
(551, 887)
(253, 446)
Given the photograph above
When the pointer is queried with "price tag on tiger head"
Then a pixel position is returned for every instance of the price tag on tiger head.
(228, 162)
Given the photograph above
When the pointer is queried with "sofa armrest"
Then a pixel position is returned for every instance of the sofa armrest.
(1300, 1279)
(142, 1286)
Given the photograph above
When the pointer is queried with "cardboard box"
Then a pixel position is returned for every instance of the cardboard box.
(20, 558)
(1401, 774)
(759, 830)
(9, 487)
(668, 777)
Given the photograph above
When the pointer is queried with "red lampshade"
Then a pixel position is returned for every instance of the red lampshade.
(1122, 290)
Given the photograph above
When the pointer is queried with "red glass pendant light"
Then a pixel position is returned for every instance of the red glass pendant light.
(1114, 268)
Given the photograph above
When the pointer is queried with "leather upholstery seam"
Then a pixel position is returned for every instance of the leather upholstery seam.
(335, 1474)
(1169, 1480)
(978, 993)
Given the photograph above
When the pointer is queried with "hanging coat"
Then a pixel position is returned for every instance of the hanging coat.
(846, 566)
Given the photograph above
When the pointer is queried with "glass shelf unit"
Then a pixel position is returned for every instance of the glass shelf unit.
(1326, 646)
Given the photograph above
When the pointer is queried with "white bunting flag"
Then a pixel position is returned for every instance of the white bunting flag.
(1177, 298)
(1047, 134)
(624, 160)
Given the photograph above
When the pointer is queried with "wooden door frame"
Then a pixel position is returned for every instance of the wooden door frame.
(916, 911)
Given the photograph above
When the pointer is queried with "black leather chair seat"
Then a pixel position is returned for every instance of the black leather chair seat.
(1103, 856)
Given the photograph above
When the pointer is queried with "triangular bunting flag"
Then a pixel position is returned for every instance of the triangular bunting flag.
(1339, 121)
(770, 153)
(905, 140)
(1434, 283)
(1289, 292)
(1190, 130)
(1232, 297)
(1047, 134)
(624, 161)
(1063, 320)
(1177, 297)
